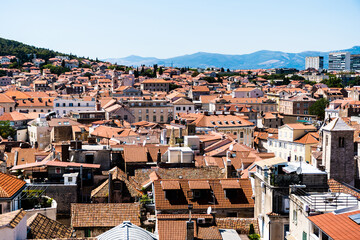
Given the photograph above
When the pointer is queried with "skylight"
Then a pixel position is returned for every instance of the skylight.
(355, 218)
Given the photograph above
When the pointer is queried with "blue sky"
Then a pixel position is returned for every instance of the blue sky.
(166, 28)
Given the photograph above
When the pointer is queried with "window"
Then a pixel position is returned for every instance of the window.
(64, 104)
(161, 118)
(71, 104)
(57, 104)
(341, 142)
(184, 108)
(147, 110)
(316, 231)
(78, 104)
(294, 218)
(154, 118)
(241, 134)
(178, 108)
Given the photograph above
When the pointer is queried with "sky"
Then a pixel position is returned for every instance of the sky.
(162, 29)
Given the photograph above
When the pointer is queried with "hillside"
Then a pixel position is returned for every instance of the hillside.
(23, 51)
(260, 59)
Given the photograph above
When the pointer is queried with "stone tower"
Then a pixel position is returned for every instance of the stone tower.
(338, 151)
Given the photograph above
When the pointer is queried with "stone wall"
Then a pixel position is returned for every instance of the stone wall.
(64, 195)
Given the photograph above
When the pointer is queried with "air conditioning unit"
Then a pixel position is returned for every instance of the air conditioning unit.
(201, 220)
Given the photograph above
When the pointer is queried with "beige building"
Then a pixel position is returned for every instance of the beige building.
(271, 185)
(150, 109)
(237, 125)
(7, 103)
(296, 104)
(155, 85)
(293, 142)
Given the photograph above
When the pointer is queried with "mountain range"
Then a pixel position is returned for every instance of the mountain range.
(260, 59)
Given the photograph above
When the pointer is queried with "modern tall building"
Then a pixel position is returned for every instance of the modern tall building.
(314, 62)
(355, 62)
(339, 61)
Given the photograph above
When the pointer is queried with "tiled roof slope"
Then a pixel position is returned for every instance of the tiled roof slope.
(117, 174)
(243, 198)
(42, 227)
(12, 219)
(9, 185)
(104, 214)
(337, 226)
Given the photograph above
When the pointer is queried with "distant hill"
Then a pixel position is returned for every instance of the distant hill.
(260, 59)
(23, 51)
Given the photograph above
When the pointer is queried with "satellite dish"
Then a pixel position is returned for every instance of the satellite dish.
(298, 171)
(231, 147)
(208, 211)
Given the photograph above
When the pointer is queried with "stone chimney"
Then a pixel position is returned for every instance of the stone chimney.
(190, 230)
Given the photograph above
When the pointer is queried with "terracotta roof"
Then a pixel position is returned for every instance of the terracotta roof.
(230, 184)
(242, 200)
(11, 219)
(300, 126)
(182, 101)
(170, 185)
(199, 184)
(337, 226)
(13, 116)
(117, 174)
(172, 229)
(143, 175)
(209, 233)
(6, 99)
(241, 225)
(155, 80)
(309, 138)
(42, 227)
(9, 185)
(200, 89)
(104, 214)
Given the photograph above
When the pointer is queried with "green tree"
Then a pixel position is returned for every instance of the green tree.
(161, 71)
(2, 73)
(333, 82)
(6, 130)
(318, 108)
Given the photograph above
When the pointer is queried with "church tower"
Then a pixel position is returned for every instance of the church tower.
(338, 151)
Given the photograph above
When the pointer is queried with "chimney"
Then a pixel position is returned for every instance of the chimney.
(189, 230)
(158, 159)
(97, 106)
(110, 190)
